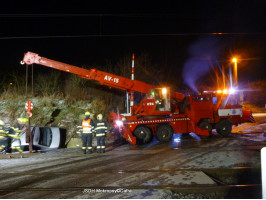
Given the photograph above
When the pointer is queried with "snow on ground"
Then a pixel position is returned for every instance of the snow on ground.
(253, 131)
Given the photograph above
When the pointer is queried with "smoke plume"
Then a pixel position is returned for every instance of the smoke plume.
(201, 55)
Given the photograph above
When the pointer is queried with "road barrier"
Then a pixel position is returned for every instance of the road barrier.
(263, 171)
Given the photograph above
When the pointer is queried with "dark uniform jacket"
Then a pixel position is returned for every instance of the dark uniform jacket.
(100, 128)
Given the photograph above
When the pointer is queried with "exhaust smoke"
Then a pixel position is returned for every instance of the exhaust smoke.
(202, 53)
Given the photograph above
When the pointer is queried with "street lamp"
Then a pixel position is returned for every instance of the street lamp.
(235, 72)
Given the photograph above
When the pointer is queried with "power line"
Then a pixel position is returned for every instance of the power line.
(93, 15)
(125, 35)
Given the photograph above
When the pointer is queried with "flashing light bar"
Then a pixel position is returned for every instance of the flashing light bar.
(224, 91)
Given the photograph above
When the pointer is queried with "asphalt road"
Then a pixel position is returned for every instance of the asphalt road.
(156, 170)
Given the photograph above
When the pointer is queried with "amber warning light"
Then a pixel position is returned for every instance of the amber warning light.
(224, 91)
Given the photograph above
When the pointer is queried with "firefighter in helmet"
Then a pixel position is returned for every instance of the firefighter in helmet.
(14, 133)
(5, 140)
(100, 132)
(9, 135)
(87, 130)
(22, 123)
(18, 131)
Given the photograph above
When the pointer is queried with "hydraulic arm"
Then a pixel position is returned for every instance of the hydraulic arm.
(91, 74)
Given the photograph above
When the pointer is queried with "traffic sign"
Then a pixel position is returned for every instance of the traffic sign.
(29, 107)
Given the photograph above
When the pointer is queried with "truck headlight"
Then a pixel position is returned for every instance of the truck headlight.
(119, 123)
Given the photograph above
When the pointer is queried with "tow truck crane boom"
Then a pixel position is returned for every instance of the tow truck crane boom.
(103, 78)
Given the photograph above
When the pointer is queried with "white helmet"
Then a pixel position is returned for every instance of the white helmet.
(100, 117)
(2, 123)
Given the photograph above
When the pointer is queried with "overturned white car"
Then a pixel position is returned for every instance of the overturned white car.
(44, 139)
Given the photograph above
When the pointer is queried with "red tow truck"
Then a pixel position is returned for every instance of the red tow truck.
(162, 112)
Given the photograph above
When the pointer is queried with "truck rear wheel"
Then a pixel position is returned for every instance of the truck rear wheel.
(143, 134)
(224, 127)
(164, 133)
(205, 125)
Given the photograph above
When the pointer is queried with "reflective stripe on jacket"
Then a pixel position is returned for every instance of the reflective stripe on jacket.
(14, 133)
(3, 133)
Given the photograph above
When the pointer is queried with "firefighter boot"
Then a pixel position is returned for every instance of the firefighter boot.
(89, 150)
(3, 152)
(84, 150)
(98, 149)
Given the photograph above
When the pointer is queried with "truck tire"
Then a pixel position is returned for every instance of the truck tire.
(205, 125)
(164, 133)
(143, 134)
(224, 127)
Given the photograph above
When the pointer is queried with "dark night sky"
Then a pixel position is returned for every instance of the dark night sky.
(170, 31)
